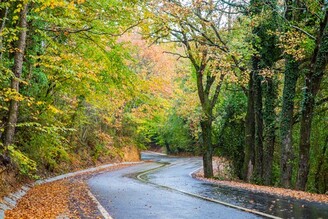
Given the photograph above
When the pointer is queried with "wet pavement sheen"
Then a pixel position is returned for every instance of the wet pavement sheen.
(124, 196)
(178, 176)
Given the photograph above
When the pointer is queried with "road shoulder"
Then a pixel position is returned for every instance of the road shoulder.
(61, 197)
(281, 192)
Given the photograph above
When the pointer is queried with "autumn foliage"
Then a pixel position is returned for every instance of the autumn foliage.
(81, 80)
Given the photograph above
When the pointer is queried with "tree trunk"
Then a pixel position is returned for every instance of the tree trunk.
(262, 60)
(312, 85)
(3, 18)
(304, 147)
(17, 70)
(319, 177)
(206, 122)
(206, 126)
(249, 159)
(168, 149)
(259, 129)
(269, 119)
(286, 121)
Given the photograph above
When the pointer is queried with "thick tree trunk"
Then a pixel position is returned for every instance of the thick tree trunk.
(262, 60)
(206, 126)
(249, 159)
(319, 177)
(304, 147)
(286, 121)
(259, 129)
(269, 120)
(312, 86)
(17, 70)
(206, 122)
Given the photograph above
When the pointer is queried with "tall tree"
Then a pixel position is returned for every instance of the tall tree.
(17, 71)
(291, 75)
(287, 120)
(200, 27)
(260, 133)
(249, 151)
(313, 80)
(270, 91)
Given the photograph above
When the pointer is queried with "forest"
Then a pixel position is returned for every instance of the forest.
(84, 82)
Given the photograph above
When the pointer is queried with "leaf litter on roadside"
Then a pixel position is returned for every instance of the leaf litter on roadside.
(62, 199)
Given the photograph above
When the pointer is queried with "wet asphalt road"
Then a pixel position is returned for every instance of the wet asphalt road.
(124, 196)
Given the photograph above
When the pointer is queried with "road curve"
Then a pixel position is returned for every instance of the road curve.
(123, 196)
(170, 192)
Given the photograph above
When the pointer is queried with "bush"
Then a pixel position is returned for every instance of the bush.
(25, 165)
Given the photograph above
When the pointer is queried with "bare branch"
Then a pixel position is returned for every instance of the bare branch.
(303, 31)
(67, 30)
(119, 34)
(230, 3)
(176, 54)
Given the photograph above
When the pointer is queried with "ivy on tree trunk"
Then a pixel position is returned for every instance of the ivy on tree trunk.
(312, 85)
(249, 159)
(269, 120)
(286, 121)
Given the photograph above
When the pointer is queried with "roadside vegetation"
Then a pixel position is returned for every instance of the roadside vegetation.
(86, 82)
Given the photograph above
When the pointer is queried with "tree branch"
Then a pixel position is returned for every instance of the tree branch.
(176, 54)
(217, 91)
(119, 34)
(66, 30)
(303, 31)
(209, 82)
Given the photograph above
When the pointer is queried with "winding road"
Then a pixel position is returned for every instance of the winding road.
(164, 188)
